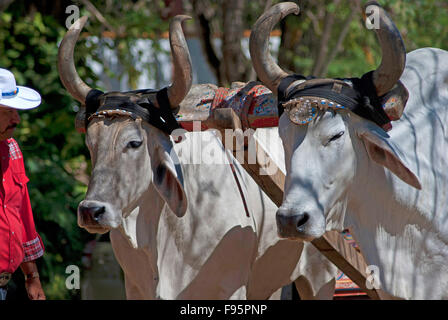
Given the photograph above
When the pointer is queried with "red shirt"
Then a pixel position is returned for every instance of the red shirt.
(19, 241)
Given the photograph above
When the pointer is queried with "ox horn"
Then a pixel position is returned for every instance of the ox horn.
(393, 59)
(66, 65)
(265, 67)
(67, 71)
(182, 78)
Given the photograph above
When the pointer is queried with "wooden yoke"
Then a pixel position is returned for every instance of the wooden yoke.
(258, 168)
(332, 245)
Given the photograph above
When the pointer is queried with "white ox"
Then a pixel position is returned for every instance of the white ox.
(391, 188)
(180, 230)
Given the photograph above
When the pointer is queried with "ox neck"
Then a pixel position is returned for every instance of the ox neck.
(389, 227)
(140, 227)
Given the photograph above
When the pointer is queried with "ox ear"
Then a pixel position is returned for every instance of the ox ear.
(381, 151)
(168, 182)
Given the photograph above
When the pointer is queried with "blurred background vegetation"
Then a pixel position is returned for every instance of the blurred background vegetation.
(329, 38)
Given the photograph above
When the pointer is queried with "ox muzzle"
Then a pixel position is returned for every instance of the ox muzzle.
(96, 216)
(299, 225)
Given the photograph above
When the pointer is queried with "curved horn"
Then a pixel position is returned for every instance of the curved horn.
(265, 67)
(182, 79)
(393, 59)
(66, 65)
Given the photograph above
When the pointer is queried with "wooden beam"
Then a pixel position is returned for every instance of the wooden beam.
(332, 245)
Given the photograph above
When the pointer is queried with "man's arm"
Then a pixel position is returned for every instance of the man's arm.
(32, 282)
(33, 248)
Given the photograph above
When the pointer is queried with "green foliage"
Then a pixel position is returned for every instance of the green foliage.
(421, 23)
(55, 154)
(128, 22)
(52, 148)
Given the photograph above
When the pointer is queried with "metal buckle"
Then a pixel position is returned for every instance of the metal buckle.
(4, 278)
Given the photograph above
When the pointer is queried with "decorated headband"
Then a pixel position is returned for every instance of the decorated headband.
(133, 104)
(305, 109)
(302, 98)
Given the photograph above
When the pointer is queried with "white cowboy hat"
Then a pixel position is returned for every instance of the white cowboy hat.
(14, 96)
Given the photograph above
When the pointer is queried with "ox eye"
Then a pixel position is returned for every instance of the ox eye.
(134, 144)
(335, 137)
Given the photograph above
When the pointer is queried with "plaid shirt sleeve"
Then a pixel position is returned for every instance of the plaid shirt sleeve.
(32, 243)
(14, 150)
(33, 249)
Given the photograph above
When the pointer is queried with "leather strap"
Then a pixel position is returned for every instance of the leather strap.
(136, 103)
(360, 99)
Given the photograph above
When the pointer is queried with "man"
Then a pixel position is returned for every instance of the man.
(20, 244)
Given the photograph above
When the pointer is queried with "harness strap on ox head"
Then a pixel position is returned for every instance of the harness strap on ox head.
(281, 90)
(370, 106)
(167, 114)
(135, 103)
(360, 99)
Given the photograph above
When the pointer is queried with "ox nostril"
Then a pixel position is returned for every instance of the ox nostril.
(97, 212)
(302, 219)
(94, 212)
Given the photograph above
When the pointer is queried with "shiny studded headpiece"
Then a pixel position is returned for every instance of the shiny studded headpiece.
(305, 109)
(302, 98)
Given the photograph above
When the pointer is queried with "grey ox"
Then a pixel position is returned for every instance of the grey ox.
(180, 230)
(344, 170)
